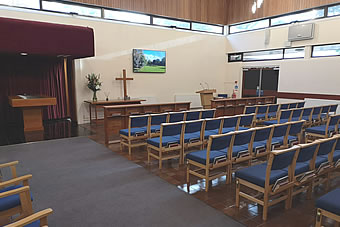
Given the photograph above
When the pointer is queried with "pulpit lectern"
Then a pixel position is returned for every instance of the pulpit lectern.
(206, 97)
(32, 109)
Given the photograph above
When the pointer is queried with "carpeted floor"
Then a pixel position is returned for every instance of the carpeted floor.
(88, 185)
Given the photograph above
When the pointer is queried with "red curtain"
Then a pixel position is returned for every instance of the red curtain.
(33, 76)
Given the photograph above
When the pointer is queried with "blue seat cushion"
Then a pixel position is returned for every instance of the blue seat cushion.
(295, 119)
(190, 136)
(155, 128)
(315, 117)
(201, 156)
(242, 128)
(165, 141)
(226, 130)
(271, 115)
(323, 115)
(270, 122)
(301, 167)
(260, 116)
(133, 131)
(260, 144)
(208, 133)
(336, 155)
(320, 129)
(330, 202)
(10, 201)
(320, 159)
(278, 140)
(257, 174)
(306, 118)
(34, 224)
(238, 148)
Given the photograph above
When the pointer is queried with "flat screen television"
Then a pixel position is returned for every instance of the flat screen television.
(149, 61)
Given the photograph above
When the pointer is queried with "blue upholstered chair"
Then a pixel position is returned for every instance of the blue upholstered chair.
(207, 114)
(329, 206)
(193, 135)
(35, 220)
(261, 142)
(280, 136)
(261, 113)
(250, 110)
(292, 105)
(295, 132)
(300, 105)
(270, 179)
(168, 145)
(136, 133)
(307, 115)
(333, 109)
(214, 158)
(324, 131)
(284, 116)
(246, 121)
(324, 113)
(336, 154)
(316, 114)
(284, 106)
(155, 123)
(296, 115)
(192, 115)
(176, 117)
(229, 124)
(212, 127)
(15, 198)
(272, 111)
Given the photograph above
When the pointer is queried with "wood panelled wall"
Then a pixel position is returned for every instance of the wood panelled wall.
(212, 11)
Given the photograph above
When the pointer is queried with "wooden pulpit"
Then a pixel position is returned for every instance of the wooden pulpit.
(206, 97)
(32, 109)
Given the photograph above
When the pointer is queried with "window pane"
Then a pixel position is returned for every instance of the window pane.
(312, 14)
(326, 50)
(68, 8)
(334, 10)
(249, 26)
(22, 3)
(234, 57)
(295, 53)
(168, 22)
(207, 28)
(126, 16)
(263, 55)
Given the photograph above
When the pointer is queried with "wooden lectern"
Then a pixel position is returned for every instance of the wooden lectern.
(206, 97)
(32, 109)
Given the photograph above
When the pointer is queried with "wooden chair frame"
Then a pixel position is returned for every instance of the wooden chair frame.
(205, 141)
(203, 110)
(156, 134)
(199, 143)
(320, 213)
(326, 135)
(267, 192)
(269, 141)
(285, 138)
(41, 215)
(273, 118)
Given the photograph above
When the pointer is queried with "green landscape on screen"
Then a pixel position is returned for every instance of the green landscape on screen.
(149, 61)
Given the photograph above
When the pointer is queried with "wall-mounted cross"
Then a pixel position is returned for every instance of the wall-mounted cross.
(124, 79)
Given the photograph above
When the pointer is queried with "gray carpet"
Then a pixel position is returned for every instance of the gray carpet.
(88, 185)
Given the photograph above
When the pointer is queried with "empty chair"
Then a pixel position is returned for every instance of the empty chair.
(250, 109)
(246, 121)
(207, 114)
(280, 136)
(176, 117)
(316, 114)
(136, 133)
(292, 105)
(300, 105)
(212, 127)
(333, 109)
(261, 112)
(229, 124)
(272, 111)
(307, 115)
(192, 115)
(214, 158)
(284, 116)
(296, 115)
(324, 113)
(324, 131)
(336, 154)
(295, 132)
(155, 123)
(269, 179)
(34, 220)
(284, 106)
(328, 206)
(168, 145)
(193, 135)
(261, 141)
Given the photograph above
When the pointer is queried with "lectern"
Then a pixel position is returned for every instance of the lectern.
(32, 109)
(206, 97)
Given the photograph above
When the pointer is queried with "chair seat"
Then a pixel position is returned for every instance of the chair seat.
(336, 155)
(226, 130)
(260, 116)
(191, 136)
(165, 141)
(257, 174)
(301, 167)
(155, 128)
(10, 201)
(208, 133)
(323, 115)
(133, 131)
(242, 128)
(330, 202)
(295, 119)
(306, 118)
(259, 144)
(34, 224)
(321, 130)
(271, 115)
(278, 140)
(315, 117)
(201, 156)
(320, 159)
(272, 122)
(239, 148)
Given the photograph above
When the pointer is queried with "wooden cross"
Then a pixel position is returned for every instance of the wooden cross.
(124, 79)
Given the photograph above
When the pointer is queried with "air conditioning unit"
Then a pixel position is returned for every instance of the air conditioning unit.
(301, 32)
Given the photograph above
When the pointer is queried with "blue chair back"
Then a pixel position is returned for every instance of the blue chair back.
(246, 120)
(243, 137)
(176, 117)
(325, 109)
(250, 110)
(158, 119)
(284, 159)
(208, 114)
(262, 134)
(300, 105)
(292, 105)
(221, 142)
(172, 129)
(337, 147)
(262, 109)
(193, 126)
(296, 114)
(284, 106)
(334, 120)
(326, 146)
(285, 115)
(229, 122)
(139, 121)
(306, 113)
(316, 110)
(280, 130)
(296, 128)
(192, 115)
(307, 152)
(213, 124)
(333, 108)
(273, 108)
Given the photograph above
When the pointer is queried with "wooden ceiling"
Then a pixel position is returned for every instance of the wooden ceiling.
(211, 11)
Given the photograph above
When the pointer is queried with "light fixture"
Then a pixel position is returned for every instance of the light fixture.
(23, 54)
(253, 8)
(259, 3)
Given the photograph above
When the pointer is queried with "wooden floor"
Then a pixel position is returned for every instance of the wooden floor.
(222, 196)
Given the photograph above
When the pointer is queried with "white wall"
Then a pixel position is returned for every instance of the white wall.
(191, 58)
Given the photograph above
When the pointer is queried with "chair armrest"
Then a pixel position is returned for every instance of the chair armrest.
(14, 191)
(32, 218)
(15, 181)
(9, 164)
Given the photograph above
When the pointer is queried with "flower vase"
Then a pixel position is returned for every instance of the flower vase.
(94, 98)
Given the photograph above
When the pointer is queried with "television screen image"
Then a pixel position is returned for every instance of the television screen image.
(149, 61)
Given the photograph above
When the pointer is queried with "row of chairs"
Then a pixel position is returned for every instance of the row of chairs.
(16, 201)
(289, 172)
(226, 150)
(141, 127)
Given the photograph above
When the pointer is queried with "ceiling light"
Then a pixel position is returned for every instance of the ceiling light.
(253, 8)
(259, 3)
(23, 54)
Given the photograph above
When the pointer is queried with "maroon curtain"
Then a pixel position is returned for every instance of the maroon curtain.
(33, 76)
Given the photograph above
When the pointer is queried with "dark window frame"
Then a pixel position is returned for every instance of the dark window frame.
(318, 45)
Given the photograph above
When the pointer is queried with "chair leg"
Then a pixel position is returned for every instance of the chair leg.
(181, 156)
(265, 206)
(327, 181)
(207, 179)
(160, 160)
(238, 186)
(229, 174)
(148, 149)
(318, 218)
(310, 190)
(188, 177)
(129, 147)
(289, 198)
